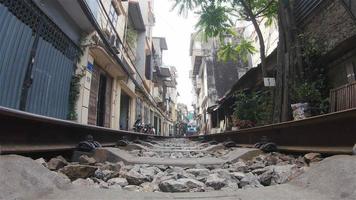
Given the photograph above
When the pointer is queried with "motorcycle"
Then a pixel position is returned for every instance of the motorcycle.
(148, 129)
(138, 127)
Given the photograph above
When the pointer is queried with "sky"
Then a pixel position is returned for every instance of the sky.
(176, 29)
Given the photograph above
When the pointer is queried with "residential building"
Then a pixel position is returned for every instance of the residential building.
(211, 78)
(164, 88)
(182, 120)
(40, 49)
(100, 54)
(126, 26)
(270, 36)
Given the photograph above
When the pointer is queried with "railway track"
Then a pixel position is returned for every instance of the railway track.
(23, 132)
(178, 168)
(199, 167)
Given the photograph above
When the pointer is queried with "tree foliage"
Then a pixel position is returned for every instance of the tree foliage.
(216, 19)
(229, 51)
(253, 106)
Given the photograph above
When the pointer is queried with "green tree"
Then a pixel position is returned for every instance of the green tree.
(216, 20)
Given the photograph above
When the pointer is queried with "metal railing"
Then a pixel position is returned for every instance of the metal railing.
(303, 8)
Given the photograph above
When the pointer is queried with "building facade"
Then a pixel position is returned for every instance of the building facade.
(90, 61)
(211, 78)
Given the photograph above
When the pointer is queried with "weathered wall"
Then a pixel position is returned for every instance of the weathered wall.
(226, 75)
(337, 73)
(330, 23)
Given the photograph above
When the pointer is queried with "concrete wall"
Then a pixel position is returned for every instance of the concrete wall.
(83, 101)
(270, 36)
(59, 16)
(141, 55)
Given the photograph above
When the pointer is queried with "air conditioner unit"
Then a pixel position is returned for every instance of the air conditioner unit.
(114, 43)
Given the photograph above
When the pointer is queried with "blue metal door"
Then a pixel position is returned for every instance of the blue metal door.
(36, 60)
(16, 41)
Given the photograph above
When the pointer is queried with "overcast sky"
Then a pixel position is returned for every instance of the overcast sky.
(176, 29)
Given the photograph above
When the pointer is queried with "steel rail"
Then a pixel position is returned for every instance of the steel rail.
(23, 132)
(333, 133)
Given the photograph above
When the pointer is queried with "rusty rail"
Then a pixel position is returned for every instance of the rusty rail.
(22, 132)
(333, 133)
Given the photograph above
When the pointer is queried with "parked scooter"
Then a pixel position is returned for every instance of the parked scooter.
(138, 126)
(148, 129)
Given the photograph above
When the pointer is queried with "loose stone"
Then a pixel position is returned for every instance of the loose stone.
(78, 171)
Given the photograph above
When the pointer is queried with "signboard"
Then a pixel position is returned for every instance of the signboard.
(90, 67)
(269, 82)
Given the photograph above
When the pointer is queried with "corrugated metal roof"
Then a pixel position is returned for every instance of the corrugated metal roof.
(303, 8)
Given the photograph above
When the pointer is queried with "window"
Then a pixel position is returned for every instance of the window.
(148, 70)
(350, 72)
(113, 17)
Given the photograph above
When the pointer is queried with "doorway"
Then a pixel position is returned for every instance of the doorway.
(100, 118)
(100, 98)
(124, 111)
(155, 124)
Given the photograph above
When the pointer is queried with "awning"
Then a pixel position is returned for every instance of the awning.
(212, 108)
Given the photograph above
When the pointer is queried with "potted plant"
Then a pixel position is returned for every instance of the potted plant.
(303, 98)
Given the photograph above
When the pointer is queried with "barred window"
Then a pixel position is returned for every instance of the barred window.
(113, 17)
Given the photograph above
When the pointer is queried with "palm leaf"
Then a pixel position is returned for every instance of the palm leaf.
(214, 20)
